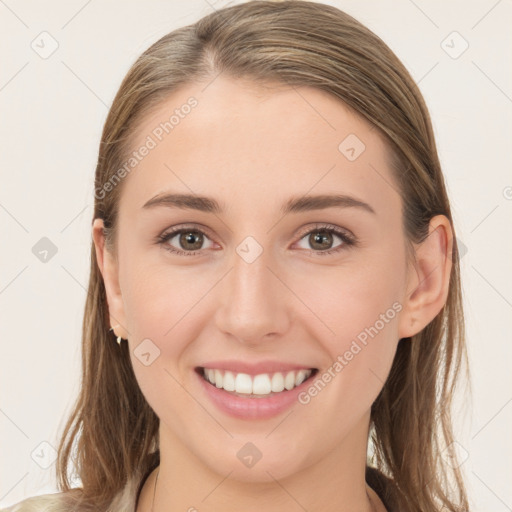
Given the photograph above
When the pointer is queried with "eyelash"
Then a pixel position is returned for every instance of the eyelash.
(348, 240)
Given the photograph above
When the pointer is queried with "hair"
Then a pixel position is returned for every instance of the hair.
(112, 433)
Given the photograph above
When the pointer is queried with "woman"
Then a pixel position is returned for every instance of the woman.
(274, 253)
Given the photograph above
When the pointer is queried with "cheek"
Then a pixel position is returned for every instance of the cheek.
(356, 312)
(157, 297)
(351, 298)
(159, 304)
(163, 314)
(360, 342)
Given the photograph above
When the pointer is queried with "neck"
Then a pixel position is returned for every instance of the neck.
(334, 483)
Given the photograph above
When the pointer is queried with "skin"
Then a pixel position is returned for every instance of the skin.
(252, 148)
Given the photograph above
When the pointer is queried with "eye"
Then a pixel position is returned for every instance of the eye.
(321, 239)
(190, 239)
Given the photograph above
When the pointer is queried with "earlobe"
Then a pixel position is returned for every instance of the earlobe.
(108, 267)
(429, 278)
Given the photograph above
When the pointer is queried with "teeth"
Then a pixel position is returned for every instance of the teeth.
(262, 384)
(289, 380)
(302, 375)
(218, 378)
(243, 383)
(229, 381)
(277, 382)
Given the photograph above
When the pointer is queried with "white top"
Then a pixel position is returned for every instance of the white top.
(124, 501)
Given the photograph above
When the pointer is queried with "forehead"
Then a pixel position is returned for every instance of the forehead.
(247, 143)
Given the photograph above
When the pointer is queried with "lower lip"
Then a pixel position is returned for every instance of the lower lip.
(252, 408)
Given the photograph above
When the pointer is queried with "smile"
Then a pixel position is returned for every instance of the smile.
(253, 397)
(256, 386)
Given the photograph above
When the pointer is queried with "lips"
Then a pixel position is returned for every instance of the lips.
(256, 400)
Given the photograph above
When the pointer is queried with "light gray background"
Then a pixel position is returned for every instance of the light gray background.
(52, 113)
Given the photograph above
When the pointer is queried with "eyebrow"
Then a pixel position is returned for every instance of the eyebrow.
(293, 205)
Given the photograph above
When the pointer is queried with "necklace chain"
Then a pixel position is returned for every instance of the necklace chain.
(158, 472)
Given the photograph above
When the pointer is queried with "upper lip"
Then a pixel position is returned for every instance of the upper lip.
(255, 368)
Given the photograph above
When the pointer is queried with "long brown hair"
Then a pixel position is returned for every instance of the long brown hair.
(112, 433)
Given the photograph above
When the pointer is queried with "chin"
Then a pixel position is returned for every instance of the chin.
(258, 465)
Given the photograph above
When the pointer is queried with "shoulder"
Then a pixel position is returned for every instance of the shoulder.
(124, 500)
(44, 503)
(64, 502)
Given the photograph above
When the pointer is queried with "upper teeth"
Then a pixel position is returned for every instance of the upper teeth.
(262, 384)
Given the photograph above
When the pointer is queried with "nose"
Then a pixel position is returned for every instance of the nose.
(254, 304)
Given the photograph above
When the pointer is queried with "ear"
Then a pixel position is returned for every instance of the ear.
(108, 265)
(428, 278)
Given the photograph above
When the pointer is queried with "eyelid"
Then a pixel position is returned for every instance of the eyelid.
(184, 227)
(325, 225)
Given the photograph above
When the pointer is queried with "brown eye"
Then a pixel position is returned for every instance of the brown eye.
(184, 241)
(320, 240)
(191, 240)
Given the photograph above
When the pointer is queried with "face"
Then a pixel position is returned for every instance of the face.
(253, 287)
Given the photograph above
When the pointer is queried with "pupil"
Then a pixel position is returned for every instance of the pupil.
(188, 238)
(318, 238)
